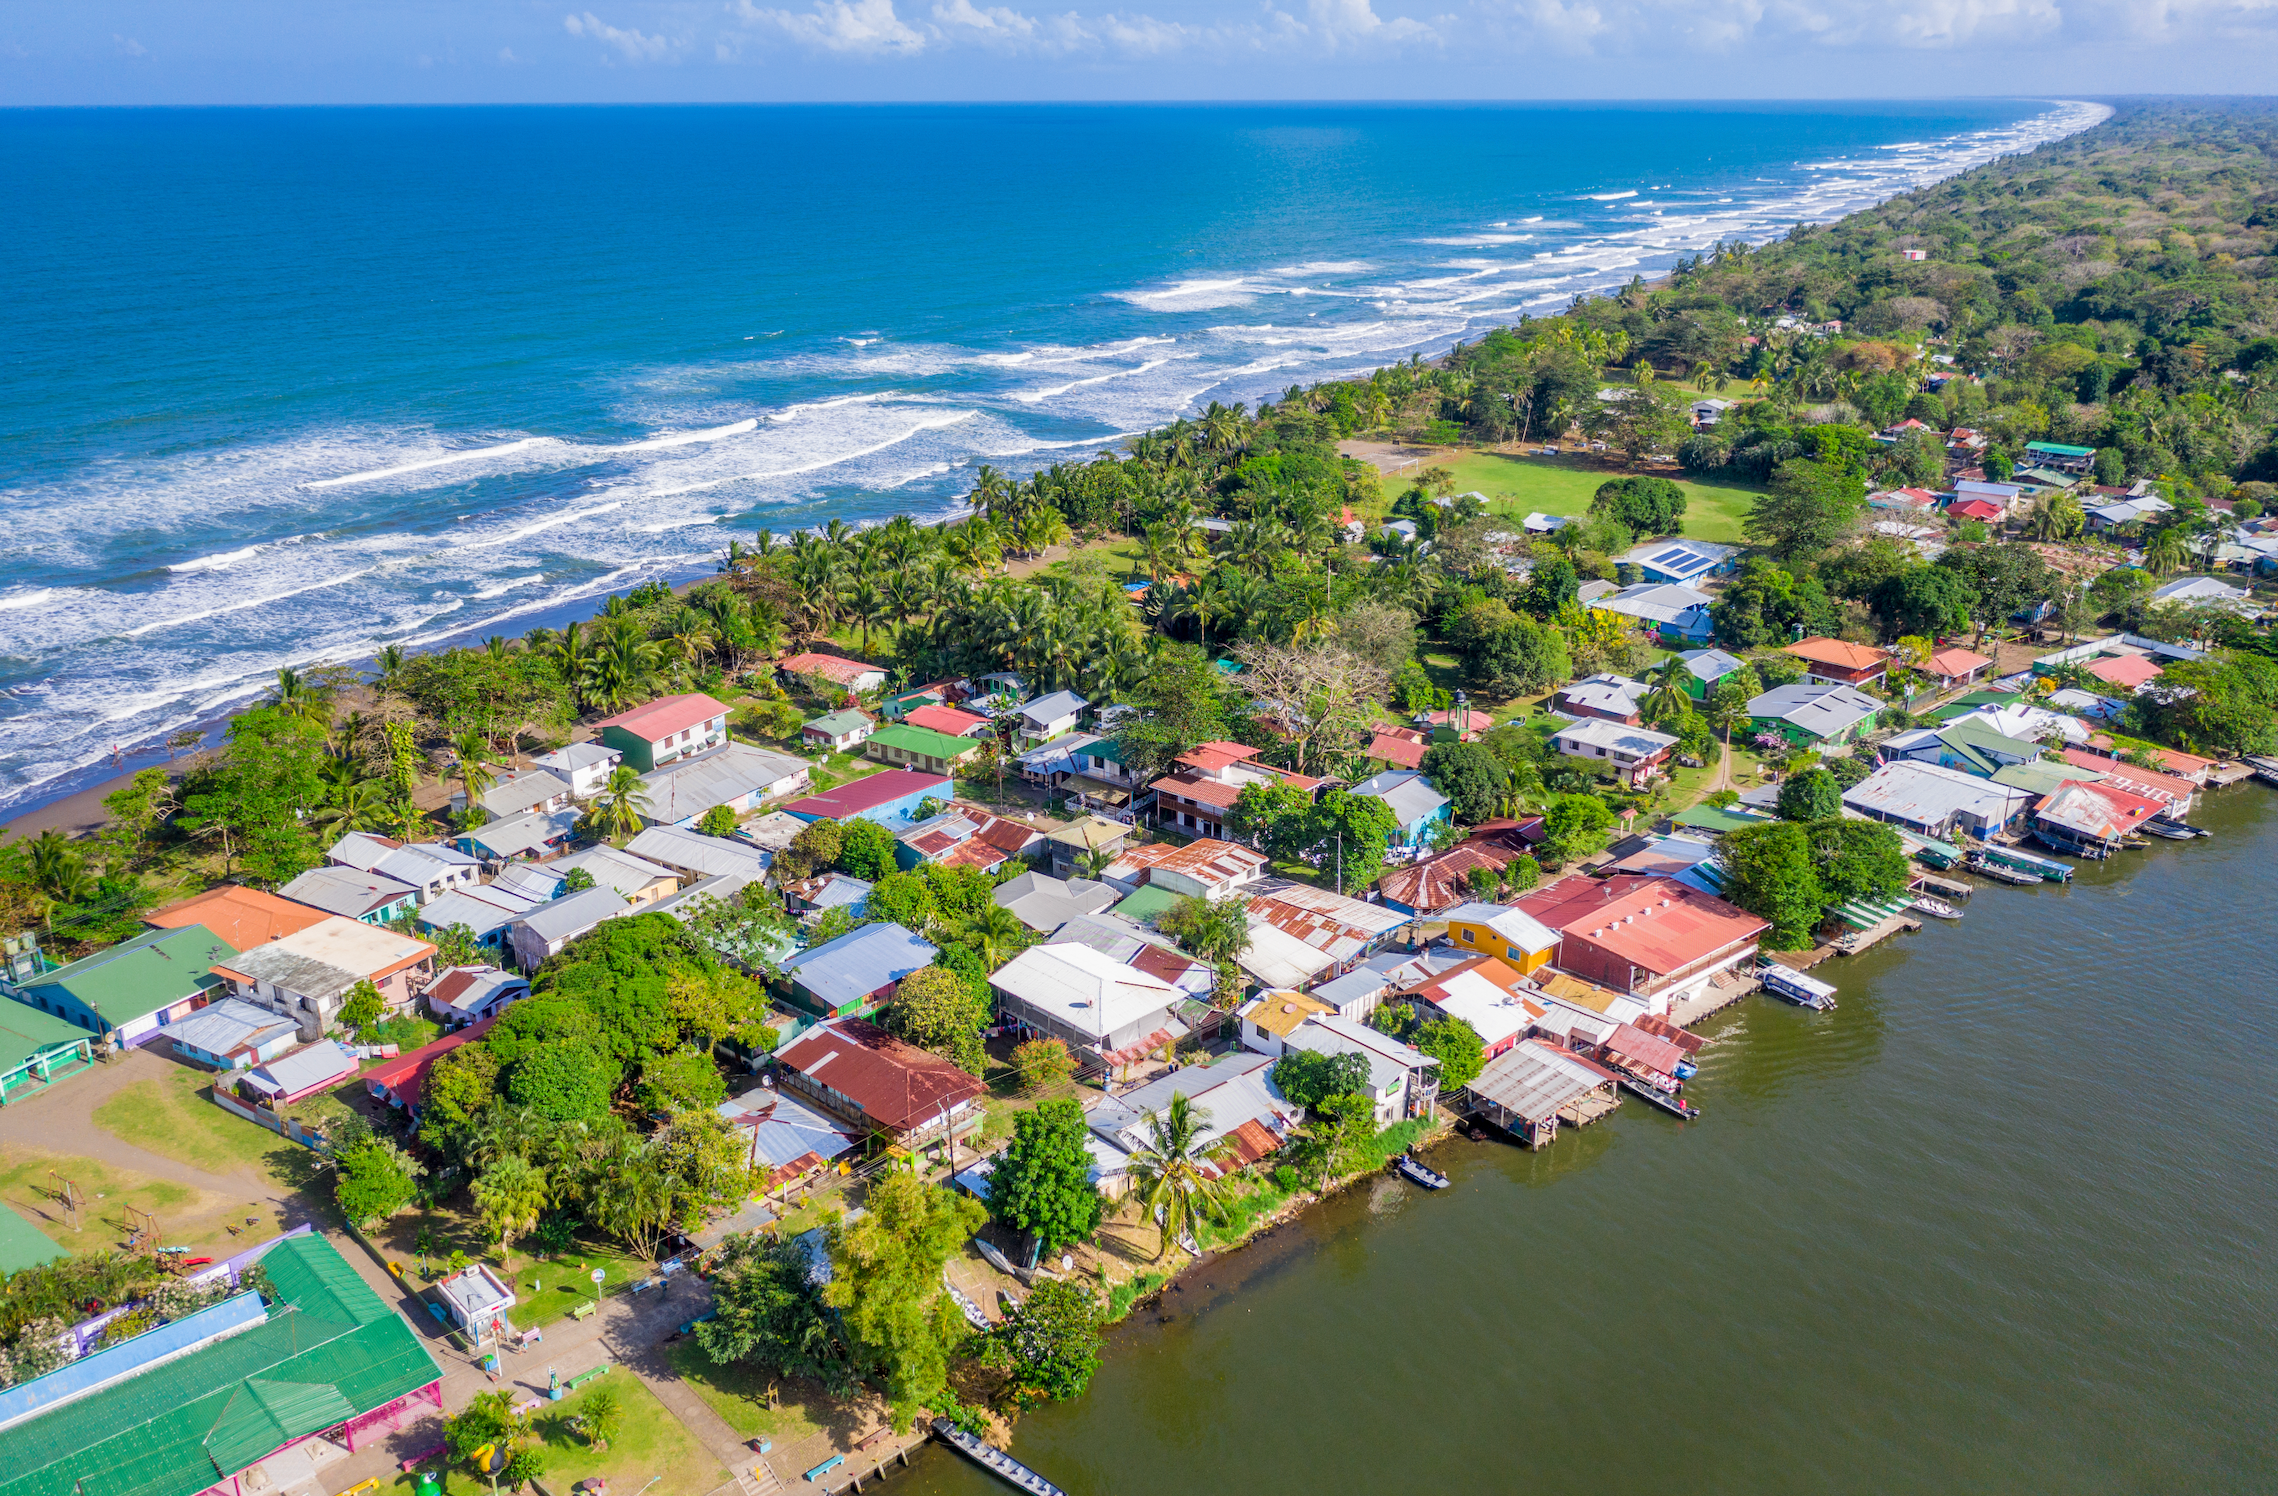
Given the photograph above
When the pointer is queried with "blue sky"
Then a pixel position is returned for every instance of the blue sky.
(439, 51)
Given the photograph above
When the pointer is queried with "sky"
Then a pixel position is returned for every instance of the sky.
(83, 52)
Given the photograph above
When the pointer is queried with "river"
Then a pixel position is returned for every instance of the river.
(2002, 1221)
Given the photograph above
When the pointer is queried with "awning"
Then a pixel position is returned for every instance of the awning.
(1865, 914)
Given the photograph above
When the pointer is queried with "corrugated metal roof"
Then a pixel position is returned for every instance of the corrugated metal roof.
(1534, 1079)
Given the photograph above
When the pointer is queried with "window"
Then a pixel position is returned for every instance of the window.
(1467, 937)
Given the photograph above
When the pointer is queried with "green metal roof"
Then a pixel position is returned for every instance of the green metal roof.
(1148, 903)
(1977, 735)
(924, 740)
(837, 723)
(329, 1351)
(2059, 449)
(138, 977)
(25, 1031)
(2042, 776)
(23, 1245)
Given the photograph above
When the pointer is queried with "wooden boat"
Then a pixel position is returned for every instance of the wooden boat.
(994, 1460)
(1416, 1172)
(2265, 769)
(1675, 1106)
(1934, 907)
(1977, 864)
(2174, 830)
(2047, 869)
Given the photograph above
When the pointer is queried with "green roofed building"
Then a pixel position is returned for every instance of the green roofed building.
(133, 989)
(195, 1405)
(22, 1244)
(37, 1048)
(1148, 904)
(919, 748)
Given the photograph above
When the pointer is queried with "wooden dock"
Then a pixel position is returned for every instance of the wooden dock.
(1851, 945)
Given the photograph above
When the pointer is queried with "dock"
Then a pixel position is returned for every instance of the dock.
(994, 1460)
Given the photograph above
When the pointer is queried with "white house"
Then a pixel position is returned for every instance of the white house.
(1636, 753)
(1048, 717)
(430, 867)
(468, 994)
(585, 767)
(1403, 1081)
(1089, 999)
(549, 927)
(738, 776)
(519, 794)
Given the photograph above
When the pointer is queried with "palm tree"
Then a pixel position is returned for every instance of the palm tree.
(297, 696)
(366, 805)
(509, 1195)
(390, 667)
(474, 775)
(622, 804)
(864, 606)
(572, 656)
(1668, 698)
(1167, 1171)
(998, 933)
(2167, 551)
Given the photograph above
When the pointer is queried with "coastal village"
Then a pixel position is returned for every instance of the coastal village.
(719, 1046)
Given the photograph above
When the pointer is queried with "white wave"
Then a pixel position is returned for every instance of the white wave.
(686, 438)
(244, 603)
(227, 558)
(470, 455)
(818, 464)
(1031, 397)
(551, 523)
(1324, 267)
(30, 599)
(500, 589)
(1194, 295)
(1607, 197)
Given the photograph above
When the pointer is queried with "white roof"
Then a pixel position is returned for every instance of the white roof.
(1680, 558)
(530, 833)
(771, 832)
(1545, 524)
(328, 957)
(1710, 664)
(1931, 794)
(345, 890)
(614, 869)
(1515, 925)
(481, 910)
(576, 756)
(525, 880)
(1045, 710)
(1332, 1033)
(1043, 902)
(220, 1027)
(694, 786)
(1406, 791)
(1088, 990)
(1596, 732)
(1535, 1080)
(572, 914)
(289, 1074)
(1659, 602)
(2198, 590)
(1496, 1014)
(710, 855)
(518, 792)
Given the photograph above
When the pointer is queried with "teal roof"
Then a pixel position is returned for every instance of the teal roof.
(2059, 449)
(328, 1350)
(137, 977)
(22, 1244)
(924, 740)
(839, 724)
(25, 1031)
(1147, 904)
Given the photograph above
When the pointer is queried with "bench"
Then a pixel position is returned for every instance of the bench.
(432, 1452)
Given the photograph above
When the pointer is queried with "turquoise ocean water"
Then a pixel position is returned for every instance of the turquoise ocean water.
(281, 386)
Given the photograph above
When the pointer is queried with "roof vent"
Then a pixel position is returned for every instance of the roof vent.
(1289, 1007)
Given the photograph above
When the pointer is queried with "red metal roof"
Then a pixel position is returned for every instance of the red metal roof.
(244, 917)
(665, 716)
(1977, 509)
(405, 1076)
(882, 788)
(1840, 653)
(1951, 662)
(1650, 1050)
(1576, 897)
(1398, 748)
(2170, 788)
(1441, 881)
(1665, 927)
(830, 667)
(1213, 756)
(898, 1086)
(2125, 670)
(1212, 861)
(1200, 789)
(946, 719)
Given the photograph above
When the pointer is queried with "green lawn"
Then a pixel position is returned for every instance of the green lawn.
(738, 1393)
(651, 1444)
(176, 1118)
(550, 1287)
(1516, 486)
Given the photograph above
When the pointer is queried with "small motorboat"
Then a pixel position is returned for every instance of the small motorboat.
(1936, 908)
(1415, 1172)
(1686, 1070)
(1675, 1106)
(2173, 830)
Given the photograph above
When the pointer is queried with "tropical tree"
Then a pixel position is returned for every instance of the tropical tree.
(1167, 1171)
(509, 1196)
(623, 802)
(1669, 697)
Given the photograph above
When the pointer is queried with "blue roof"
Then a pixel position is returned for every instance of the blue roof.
(1680, 560)
(858, 963)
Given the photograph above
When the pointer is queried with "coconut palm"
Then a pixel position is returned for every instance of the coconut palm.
(622, 803)
(572, 653)
(509, 1196)
(298, 696)
(388, 664)
(1668, 698)
(365, 805)
(998, 933)
(2167, 551)
(467, 749)
(1168, 1171)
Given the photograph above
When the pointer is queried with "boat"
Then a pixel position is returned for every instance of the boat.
(2094, 851)
(2174, 830)
(1794, 986)
(1416, 1172)
(1686, 1070)
(1675, 1106)
(2047, 869)
(1977, 864)
(1936, 908)
(999, 1260)
(994, 1460)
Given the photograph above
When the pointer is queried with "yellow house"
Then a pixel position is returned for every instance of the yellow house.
(1273, 1016)
(1512, 936)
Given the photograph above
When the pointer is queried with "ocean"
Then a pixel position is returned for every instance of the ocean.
(281, 386)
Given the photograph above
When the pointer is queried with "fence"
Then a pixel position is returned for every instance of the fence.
(284, 1127)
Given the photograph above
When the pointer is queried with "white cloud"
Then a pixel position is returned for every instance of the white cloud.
(506, 55)
(128, 46)
(865, 28)
(635, 46)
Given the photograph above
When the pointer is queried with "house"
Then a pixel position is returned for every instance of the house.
(1908, 502)
(848, 675)
(2092, 820)
(1530, 1088)
(770, 833)
(402, 1082)
(1662, 942)
(2175, 790)
(1427, 886)
(858, 971)
(232, 1035)
(1416, 807)
(859, 1073)
(1707, 412)
(1510, 934)
(1088, 836)
(935, 717)
(549, 927)
(1096, 1004)
(36, 1050)
(243, 917)
(1813, 714)
(1955, 668)
(1300, 934)
(1708, 667)
(1614, 698)
(2065, 459)
(1204, 869)
(352, 895)
(1399, 747)
(786, 1142)
(737, 775)
(838, 731)
(1682, 561)
(637, 880)
(293, 1078)
(133, 990)
(665, 730)
(1135, 945)
(828, 891)
(1635, 753)
(1838, 662)
(1243, 1117)
(2136, 509)
(469, 994)
(1649, 856)
(1047, 717)
(911, 747)
(584, 767)
(234, 1399)
(1968, 746)
(1936, 801)
(487, 913)
(1984, 511)
(2129, 672)
(890, 798)
(1045, 903)
(1403, 1081)
(966, 836)
(1676, 612)
(2005, 496)
(692, 854)
(1272, 1016)
(538, 834)
(308, 975)
(1195, 796)
(519, 794)
(2206, 592)
(1495, 1000)
(433, 868)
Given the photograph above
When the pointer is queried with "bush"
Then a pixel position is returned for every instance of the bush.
(866, 850)
(1042, 1065)
(718, 821)
(564, 1081)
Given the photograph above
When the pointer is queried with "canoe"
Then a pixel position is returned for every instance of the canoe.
(1935, 908)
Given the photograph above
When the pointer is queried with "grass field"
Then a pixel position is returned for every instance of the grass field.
(175, 1117)
(738, 1393)
(1565, 485)
(651, 1445)
(186, 1217)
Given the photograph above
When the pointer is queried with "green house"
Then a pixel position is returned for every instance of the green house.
(135, 988)
(37, 1048)
(922, 748)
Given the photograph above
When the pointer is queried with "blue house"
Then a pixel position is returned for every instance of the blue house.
(1415, 805)
(890, 797)
(856, 972)
(1681, 560)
